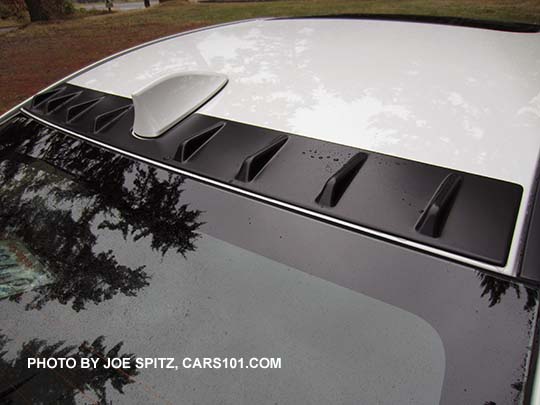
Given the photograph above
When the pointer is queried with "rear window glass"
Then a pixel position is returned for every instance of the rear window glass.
(119, 257)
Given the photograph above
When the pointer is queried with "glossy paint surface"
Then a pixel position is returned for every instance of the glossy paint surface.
(463, 98)
(150, 263)
(386, 199)
(170, 99)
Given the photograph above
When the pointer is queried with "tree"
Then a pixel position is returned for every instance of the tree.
(37, 10)
(43, 10)
(68, 192)
(495, 288)
(13, 8)
(52, 386)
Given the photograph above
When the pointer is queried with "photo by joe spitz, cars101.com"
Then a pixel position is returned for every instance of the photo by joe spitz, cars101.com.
(333, 210)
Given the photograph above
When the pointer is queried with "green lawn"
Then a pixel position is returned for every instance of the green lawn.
(183, 12)
(8, 22)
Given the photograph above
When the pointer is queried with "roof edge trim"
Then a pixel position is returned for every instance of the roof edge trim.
(518, 27)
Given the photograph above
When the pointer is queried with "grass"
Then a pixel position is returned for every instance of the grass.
(9, 22)
(38, 54)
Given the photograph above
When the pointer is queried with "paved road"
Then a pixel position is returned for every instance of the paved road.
(119, 6)
(6, 29)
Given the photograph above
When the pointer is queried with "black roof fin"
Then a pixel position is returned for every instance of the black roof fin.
(105, 120)
(336, 185)
(57, 102)
(255, 163)
(193, 144)
(357, 193)
(432, 221)
(78, 110)
(42, 97)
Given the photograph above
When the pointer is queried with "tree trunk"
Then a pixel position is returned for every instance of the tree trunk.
(146, 3)
(36, 10)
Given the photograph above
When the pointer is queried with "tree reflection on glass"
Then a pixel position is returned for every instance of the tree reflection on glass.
(495, 288)
(59, 196)
(21, 383)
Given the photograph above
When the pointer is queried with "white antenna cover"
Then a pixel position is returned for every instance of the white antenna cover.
(169, 99)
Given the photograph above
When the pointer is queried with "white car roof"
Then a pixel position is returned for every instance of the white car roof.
(458, 97)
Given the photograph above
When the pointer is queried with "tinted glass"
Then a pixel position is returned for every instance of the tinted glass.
(130, 260)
